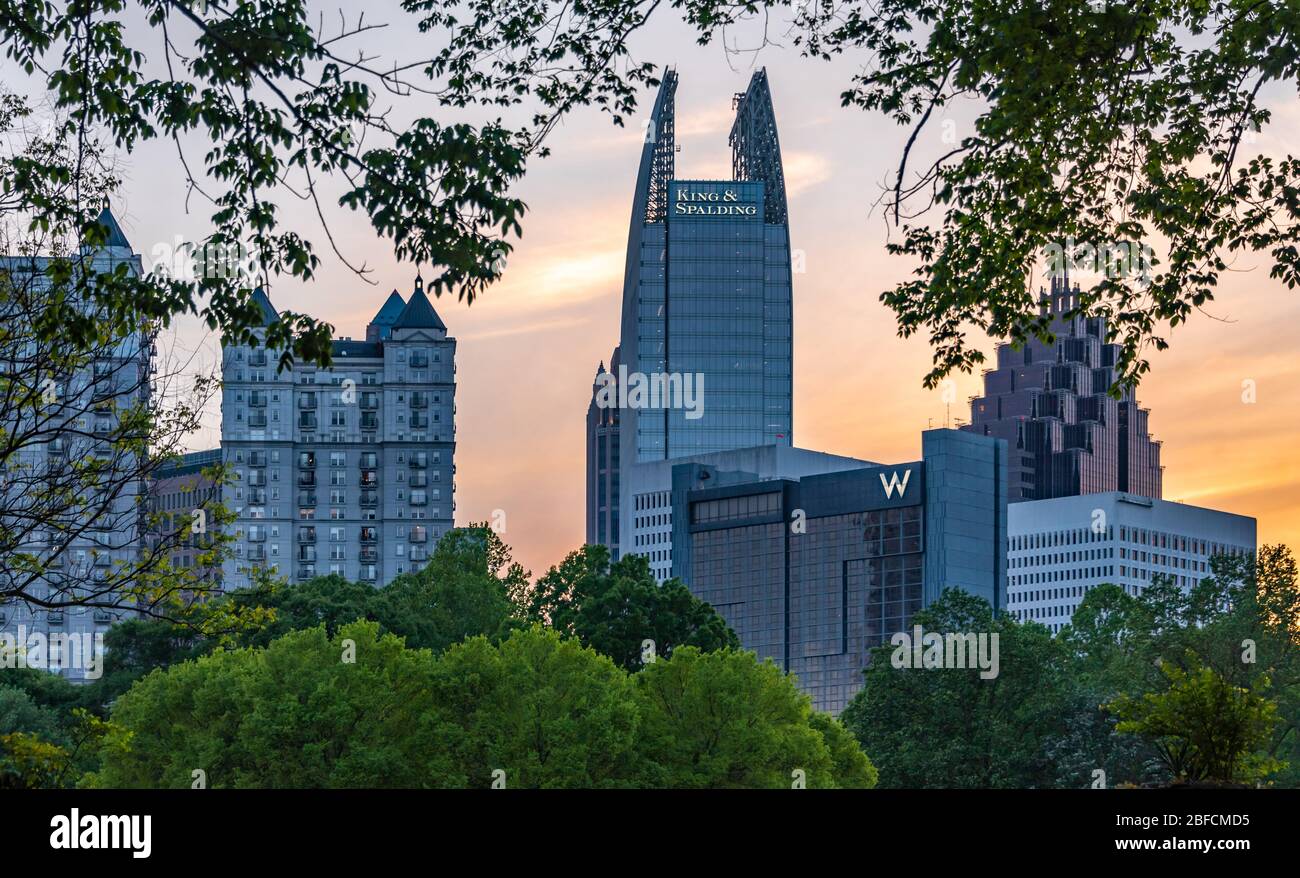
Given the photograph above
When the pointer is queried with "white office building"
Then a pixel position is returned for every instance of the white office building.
(1059, 549)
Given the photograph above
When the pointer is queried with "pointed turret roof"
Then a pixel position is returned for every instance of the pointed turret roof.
(419, 313)
(392, 309)
(116, 237)
(269, 314)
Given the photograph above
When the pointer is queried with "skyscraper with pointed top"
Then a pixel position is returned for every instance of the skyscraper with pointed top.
(705, 330)
(347, 470)
(1066, 435)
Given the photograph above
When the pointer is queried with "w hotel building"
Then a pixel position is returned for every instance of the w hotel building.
(706, 300)
(346, 470)
(813, 572)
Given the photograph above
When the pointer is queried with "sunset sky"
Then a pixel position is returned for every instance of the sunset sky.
(529, 348)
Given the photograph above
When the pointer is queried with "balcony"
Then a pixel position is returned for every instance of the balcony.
(419, 534)
(257, 497)
(419, 553)
(419, 460)
(256, 553)
(307, 478)
(257, 420)
(419, 400)
(256, 536)
(419, 422)
(369, 535)
(257, 458)
(369, 460)
(307, 535)
(419, 361)
(257, 358)
(257, 479)
(103, 617)
(369, 401)
(306, 499)
(369, 498)
(369, 573)
(307, 421)
(307, 553)
(369, 478)
(306, 460)
(307, 402)
(419, 498)
(257, 400)
(419, 479)
(370, 555)
(306, 571)
(369, 421)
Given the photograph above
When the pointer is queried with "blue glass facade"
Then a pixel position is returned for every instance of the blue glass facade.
(707, 306)
(814, 572)
(713, 305)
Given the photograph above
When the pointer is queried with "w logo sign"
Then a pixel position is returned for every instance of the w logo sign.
(892, 483)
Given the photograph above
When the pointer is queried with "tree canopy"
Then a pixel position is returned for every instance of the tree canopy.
(536, 710)
(1115, 137)
(621, 611)
(1162, 686)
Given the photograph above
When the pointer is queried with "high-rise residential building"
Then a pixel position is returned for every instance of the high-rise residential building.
(1060, 549)
(89, 545)
(813, 572)
(705, 360)
(183, 499)
(1067, 435)
(350, 469)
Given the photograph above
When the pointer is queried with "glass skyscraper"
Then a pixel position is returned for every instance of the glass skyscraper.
(706, 304)
(878, 543)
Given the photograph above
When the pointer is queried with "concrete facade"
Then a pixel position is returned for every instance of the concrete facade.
(1061, 549)
(346, 470)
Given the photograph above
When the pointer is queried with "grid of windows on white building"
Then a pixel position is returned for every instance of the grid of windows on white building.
(1115, 538)
(653, 531)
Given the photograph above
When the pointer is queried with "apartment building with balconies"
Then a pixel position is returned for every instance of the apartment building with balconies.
(73, 490)
(344, 470)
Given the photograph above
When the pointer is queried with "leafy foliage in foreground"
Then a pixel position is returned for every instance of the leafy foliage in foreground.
(1164, 686)
(535, 710)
